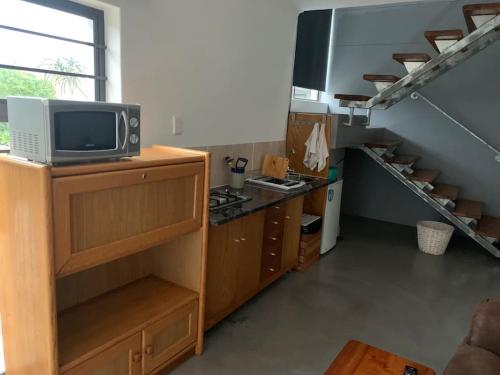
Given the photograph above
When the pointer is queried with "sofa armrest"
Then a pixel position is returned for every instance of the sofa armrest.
(485, 327)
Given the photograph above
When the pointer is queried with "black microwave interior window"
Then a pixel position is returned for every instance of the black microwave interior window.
(85, 131)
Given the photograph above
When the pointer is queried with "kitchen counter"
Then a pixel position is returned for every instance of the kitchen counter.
(261, 199)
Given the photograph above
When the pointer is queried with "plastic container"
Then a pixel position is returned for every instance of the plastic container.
(237, 178)
(433, 237)
(333, 173)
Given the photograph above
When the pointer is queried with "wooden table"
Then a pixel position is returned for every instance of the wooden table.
(358, 358)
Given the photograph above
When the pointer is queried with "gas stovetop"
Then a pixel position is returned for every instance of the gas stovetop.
(276, 183)
(222, 199)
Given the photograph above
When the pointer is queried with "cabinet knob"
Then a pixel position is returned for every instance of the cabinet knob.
(274, 238)
(136, 357)
(271, 269)
(236, 240)
(243, 239)
(272, 254)
(149, 350)
(144, 176)
(287, 217)
(275, 222)
(276, 207)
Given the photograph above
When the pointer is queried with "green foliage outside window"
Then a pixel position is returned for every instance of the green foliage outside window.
(14, 82)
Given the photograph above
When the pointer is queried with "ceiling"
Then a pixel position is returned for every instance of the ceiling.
(329, 4)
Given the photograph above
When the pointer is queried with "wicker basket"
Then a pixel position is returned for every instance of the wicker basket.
(433, 236)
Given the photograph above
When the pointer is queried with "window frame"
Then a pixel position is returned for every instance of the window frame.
(97, 16)
(306, 100)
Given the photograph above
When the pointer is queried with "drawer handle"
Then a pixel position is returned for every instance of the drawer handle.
(236, 240)
(275, 222)
(287, 217)
(243, 239)
(271, 269)
(276, 207)
(149, 350)
(272, 254)
(144, 176)
(137, 357)
(274, 238)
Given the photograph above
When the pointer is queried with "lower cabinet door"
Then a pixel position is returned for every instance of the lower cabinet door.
(291, 237)
(169, 336)
(124, 358)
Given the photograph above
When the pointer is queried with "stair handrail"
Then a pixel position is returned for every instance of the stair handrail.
(417, 95)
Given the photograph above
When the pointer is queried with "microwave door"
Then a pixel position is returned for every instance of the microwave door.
(123, 130)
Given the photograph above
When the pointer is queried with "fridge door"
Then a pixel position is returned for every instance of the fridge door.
(332, 217)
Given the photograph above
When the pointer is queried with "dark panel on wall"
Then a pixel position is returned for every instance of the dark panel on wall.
(312, 49)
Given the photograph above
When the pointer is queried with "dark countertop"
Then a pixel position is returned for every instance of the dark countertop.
(261, 198)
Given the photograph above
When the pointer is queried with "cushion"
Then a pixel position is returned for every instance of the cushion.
(470, 360)
(485, 326)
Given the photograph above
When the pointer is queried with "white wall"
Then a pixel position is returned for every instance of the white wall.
(224, 66)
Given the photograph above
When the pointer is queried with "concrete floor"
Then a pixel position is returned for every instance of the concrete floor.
(375, 287)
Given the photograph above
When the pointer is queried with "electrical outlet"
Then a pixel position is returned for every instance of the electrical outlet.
(177, 125)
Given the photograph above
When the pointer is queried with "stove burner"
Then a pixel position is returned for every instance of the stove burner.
(219, 199)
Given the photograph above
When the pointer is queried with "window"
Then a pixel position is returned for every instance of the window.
(50, 49)
(305, 94)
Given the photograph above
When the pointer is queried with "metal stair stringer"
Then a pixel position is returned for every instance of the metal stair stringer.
(462, 50)
(431, 201)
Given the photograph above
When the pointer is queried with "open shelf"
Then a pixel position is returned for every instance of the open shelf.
(92, 326)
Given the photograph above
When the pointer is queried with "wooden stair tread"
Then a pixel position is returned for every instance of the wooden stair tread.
(489, 226)
(471, 10)
(383, 144)
(354, 98)
(445, 192)
(434, 35)
(467, 208)
(411, 57)
(424, 175)
(403, 159)
(381, 78)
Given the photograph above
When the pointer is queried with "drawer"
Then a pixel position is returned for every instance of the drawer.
(268, 271)
(271, 259)
(273, 242)
(274, 227)
(310, 248)
(275, 212)
(103, 216)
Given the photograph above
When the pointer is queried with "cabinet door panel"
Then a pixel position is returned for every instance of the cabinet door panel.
(249, 255)
(291, 238)
(222, 270)
(103, 216)
(124, 358)
(169, 336)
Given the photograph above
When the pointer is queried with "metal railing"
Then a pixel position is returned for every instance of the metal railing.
(416, 95)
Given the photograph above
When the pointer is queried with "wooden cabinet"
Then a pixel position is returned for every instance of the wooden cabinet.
(124, 358)
(105, 268)
(233, 265)
(169, 336)
(291, 239)
(103, 216)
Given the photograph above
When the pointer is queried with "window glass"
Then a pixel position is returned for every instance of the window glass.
(305, 94)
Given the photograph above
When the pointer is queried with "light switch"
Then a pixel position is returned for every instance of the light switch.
(177, 125)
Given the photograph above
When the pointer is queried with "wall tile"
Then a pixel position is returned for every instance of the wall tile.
(219, 170)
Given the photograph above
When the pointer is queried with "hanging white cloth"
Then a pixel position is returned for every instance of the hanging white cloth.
(317, 151)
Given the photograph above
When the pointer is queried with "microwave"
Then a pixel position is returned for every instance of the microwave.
(63, 131)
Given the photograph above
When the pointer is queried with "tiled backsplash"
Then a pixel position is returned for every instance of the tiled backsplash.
(254, 152)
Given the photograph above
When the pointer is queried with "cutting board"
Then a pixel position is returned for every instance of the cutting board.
(275, 166)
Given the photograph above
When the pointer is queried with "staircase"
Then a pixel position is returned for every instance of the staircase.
(464, 214)
(452, 47)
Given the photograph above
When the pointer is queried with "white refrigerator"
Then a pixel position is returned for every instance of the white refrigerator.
(332, 217)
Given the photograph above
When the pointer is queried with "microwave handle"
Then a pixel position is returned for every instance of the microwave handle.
(123, 116)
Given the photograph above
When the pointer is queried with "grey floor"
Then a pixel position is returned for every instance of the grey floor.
(375, 287)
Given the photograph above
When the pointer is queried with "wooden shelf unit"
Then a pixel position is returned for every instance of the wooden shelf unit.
(127, 298)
